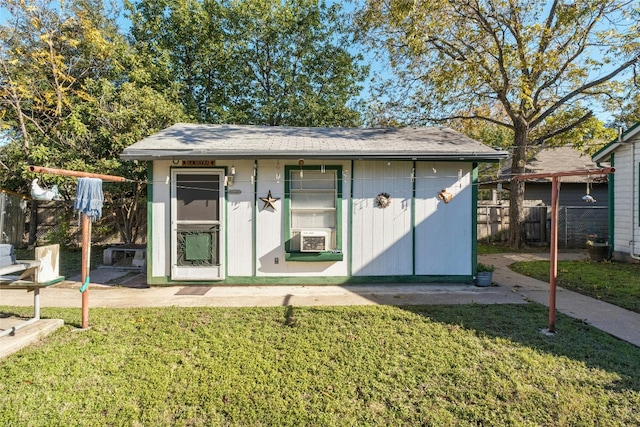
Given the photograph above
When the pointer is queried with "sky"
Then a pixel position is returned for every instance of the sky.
(377, 67)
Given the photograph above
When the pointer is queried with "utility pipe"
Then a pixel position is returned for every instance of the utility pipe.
(553, 257)
(633, 193)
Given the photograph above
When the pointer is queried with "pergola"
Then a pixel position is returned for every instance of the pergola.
(555, 194)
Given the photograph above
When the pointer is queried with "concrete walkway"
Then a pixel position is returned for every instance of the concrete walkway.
(120, 288)
(616, 321)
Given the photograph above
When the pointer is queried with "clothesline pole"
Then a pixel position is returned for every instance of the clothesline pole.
(95, 212)
(553, 249)
(86, 256)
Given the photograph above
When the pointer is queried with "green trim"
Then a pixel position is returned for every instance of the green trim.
(150, 227)
(54, 281)
(287, 211)
(313, 256)
(612, 209)
(619, 139)
(474, 218)
(604, 149)
(254, 214)
(320, 280)
(413, 219)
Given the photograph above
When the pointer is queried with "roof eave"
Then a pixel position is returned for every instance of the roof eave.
(604, 153)
(150, 155)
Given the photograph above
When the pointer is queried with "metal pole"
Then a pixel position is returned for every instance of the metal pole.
(553, 268)
(65, 172)
(86, 256)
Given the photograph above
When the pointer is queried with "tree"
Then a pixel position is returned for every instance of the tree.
(72, 96)
(627, 112)
(266, 62)
(545, 64)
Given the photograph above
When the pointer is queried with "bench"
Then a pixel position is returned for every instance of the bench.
(139, 254)
(34, 275)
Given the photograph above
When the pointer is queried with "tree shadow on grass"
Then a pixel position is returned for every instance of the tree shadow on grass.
(524, 324)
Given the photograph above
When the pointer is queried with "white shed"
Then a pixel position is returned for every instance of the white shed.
(260, 205)
(624, 200)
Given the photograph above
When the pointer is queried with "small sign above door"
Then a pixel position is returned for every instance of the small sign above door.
(198, 163)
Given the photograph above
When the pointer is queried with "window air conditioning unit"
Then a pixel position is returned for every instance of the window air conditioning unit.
(313, 241)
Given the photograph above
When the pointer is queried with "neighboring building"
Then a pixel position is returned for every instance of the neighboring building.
(261, 205)
(624, 206)
(577, 220)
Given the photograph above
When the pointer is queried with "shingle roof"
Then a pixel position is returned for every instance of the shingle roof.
(236, 141)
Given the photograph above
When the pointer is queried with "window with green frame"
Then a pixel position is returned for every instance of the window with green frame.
(313, 213)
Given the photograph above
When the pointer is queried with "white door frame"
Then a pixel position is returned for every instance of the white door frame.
(197, 268)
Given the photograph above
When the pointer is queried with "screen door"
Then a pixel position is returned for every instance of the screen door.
(196, 224)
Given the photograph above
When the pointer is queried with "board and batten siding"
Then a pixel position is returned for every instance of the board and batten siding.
(412, 236)
(382, 237)
(443, 230)
(240, 219)
(269, 224)
(161, 221)
(626, 199)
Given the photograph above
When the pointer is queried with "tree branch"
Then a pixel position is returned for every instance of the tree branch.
(474, 117)
(564, 129)
(582, 89)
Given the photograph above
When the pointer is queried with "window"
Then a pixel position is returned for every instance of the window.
(313, 213)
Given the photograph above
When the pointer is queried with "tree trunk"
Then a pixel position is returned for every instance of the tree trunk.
(129, 214)
(516, 199)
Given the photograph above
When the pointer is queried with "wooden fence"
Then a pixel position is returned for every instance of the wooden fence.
(58, 222)
(575, 224)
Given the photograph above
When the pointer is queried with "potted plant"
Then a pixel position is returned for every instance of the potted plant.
(598, 248)
(484, 277)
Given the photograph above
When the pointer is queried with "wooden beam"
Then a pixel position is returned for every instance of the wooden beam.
(599, 171)
(65, 172)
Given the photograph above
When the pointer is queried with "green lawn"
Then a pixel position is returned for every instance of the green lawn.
(331, 366)
(502, 247)
(614, 282)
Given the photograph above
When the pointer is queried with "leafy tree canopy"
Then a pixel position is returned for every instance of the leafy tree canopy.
(252, 62)
(539, 66)
(71, 98)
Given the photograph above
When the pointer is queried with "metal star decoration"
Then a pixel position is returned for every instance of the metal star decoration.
(269, 201)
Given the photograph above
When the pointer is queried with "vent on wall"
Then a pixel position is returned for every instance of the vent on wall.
(313, 241)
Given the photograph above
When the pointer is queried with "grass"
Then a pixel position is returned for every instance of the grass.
(614, 282)
(332, 366)
(502, 247)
